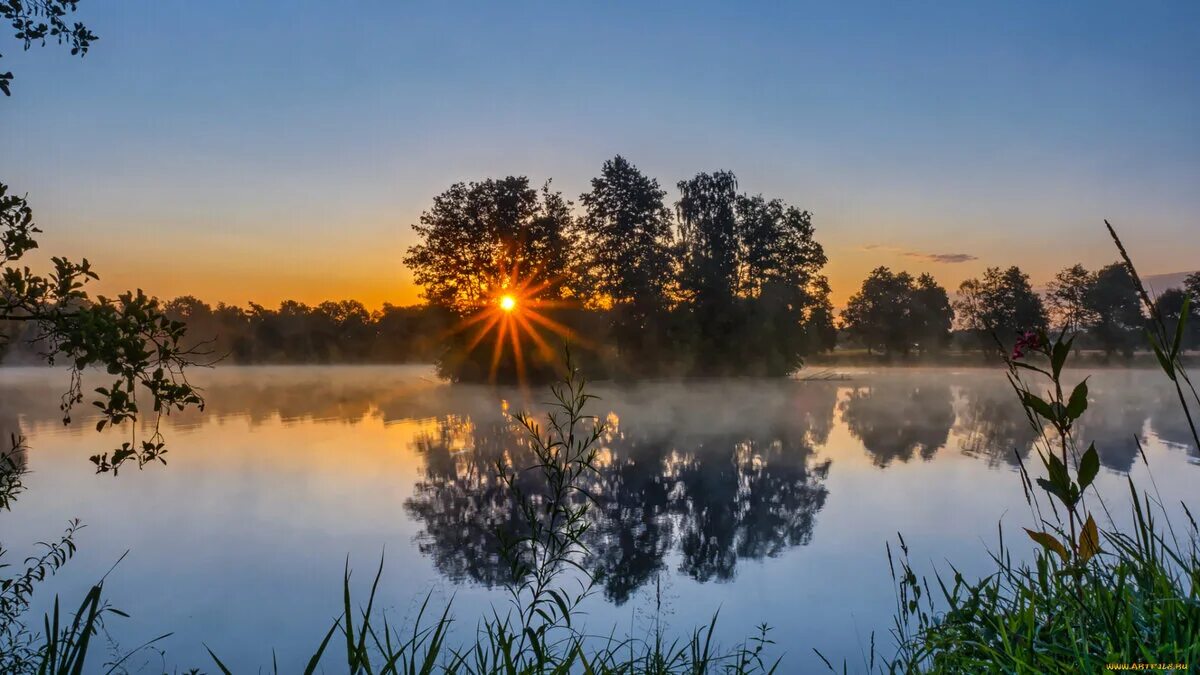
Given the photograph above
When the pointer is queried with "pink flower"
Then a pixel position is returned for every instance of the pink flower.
(1028, 340)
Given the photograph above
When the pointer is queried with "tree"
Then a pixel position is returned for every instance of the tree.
(1067, 298)
(750, 279)
(1191, 285)
(34, 21)
(627, 237)
(932, 314)
(783, 294)
(895, 313)
(709, 239)
(878, 315)
(1170, 307)
(480, 239)
(999, 306)
(1115, 309)
(497, 242)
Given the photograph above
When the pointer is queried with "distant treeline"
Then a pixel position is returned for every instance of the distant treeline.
(722, 282)
(895, 313)
(331, 332)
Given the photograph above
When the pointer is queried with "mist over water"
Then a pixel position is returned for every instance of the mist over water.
(770, 499)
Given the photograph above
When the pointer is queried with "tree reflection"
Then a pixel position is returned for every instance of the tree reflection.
(992, 425)
(900, 420)
(710, 490)
(1115, 419)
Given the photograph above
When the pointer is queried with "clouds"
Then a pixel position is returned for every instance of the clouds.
(925, 256)
(942, 257)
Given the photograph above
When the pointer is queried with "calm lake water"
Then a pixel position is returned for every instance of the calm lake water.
(768, 500)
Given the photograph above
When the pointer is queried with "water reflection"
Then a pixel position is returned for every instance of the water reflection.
(991, 425)
(712, 487)
(696, 477)
(897, 420)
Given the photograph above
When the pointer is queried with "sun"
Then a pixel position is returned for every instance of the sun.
(515, 316)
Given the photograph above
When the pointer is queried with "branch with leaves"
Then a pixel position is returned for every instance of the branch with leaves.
(36, 21)
(128, 337)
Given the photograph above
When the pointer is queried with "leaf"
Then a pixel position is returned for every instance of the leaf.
(1061, 493)
(1167, 365)
(1089, 540)
(1048, 542)
(1037, 405)
(1078, 401)
(1089, 466)
(1058, 355)
(1180, 326)
(220, 665)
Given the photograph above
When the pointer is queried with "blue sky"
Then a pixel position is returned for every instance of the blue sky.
(254, 151)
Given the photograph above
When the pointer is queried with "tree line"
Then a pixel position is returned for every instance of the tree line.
(896, 313)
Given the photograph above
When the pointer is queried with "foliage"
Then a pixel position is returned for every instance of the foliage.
(1116, 312)
(480, 239)
(35, 21)
(895, 313)
(1067, 298)
(139, 348)
(128, 336)
(330, 332)
(753, 296)
(1091, 597)
(627, 239)
(1175, 305)
(732, 284)
(999, 306)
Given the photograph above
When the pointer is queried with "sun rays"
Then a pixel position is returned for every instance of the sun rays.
(512, 320)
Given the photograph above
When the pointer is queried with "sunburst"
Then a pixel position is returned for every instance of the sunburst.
(515, 312)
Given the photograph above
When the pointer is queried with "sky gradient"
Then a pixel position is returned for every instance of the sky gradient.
(239, 153)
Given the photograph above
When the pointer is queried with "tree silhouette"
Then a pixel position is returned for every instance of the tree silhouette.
(1001, 304)
(481, 238)
(932, 314)
(627, 237)
(1115, 310)
(1170, 305)
(709, 239)
(1067, 298)
(750, 279)
(895, 313)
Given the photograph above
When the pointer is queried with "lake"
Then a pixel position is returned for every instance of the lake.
(771, 501)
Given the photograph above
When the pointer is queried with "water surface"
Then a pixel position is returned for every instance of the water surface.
(768, 500)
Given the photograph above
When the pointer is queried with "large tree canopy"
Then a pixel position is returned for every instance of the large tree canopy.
(1001, 304)
(627, 235)
(893, 312)
(480, 239)
(1115, 310)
